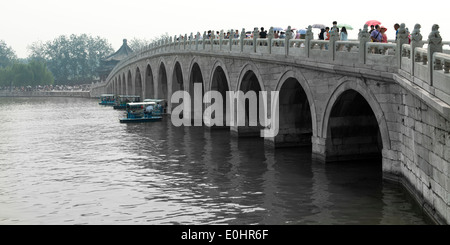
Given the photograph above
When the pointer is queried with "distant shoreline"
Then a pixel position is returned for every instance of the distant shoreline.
(76, 94)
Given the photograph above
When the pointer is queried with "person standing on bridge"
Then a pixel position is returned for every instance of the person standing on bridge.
(376, 35)
(383, 35)
(262, 34)
(372, 28)
(396, 26)
(344, 36)
(236, 34)
(335, 26)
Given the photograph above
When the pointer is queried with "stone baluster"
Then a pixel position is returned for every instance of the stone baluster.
(446, 66)
(191, 38)
(416, 42)
(197, 37)
(175, 39)
(434, 45)
(363, 37)
(242, 39)
(220, 40)
(286, 40)
(334, 36)
(205, 37)
(213, 37)
(255, 36)
(185, 41)
(230, 41)
(309, 36)
(269, 39)
(402, 38)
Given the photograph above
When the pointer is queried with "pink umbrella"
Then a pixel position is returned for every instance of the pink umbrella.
(373, 22)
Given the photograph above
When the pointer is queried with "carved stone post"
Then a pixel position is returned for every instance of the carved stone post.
(416, 42)
(204, 40)
(231, 40)
(334, 36)
(434, 45)
(191, 38)
(402, 38)
(363, 37)
(184, 41)
(213, 37)
(175, 41)
(220, 40)
(286, 40)
(309, 36)
(168, 41)
(255, 36)
(269, 39)
(242, 39)
(197, 37)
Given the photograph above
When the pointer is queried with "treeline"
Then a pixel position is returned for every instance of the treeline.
(66, 60)
(15, 72)
(31, 74)
(72, 59)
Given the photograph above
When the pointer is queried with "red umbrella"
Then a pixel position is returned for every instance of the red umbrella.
(373, 22)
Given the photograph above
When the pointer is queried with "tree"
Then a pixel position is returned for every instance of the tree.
(21, 74)
(136, 44)
(41, 75)
(72, 59)
(7, 54)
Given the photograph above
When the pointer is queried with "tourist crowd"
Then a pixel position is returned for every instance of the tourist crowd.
(377, 32)
(83, 87)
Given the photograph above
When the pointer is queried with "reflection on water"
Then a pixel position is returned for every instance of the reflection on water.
(70, 161)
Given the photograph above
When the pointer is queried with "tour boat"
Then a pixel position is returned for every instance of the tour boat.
(122, 100)
(142, 112)
(160, 102)
(107, 99)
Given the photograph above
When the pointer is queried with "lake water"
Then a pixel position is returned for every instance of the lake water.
(70, 161)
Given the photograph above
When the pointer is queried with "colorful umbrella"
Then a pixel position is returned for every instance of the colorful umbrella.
(277, 29)
(302, 31)
(373, 22)
(319, 26)
(347, 26)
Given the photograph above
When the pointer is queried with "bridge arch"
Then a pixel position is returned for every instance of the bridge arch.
(250, 80)
(177, 77)
(162, 84)
(138, 83)
(297, 111)
(352, 105)
(124, 84)
(196, 76)
(149, 83)
(129, 83)
(220, 82)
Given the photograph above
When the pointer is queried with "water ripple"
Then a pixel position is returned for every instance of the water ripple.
(70, 161)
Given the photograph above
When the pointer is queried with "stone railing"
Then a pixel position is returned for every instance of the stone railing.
(347, 46)
(441, 62)
(381, 48)
(376, 56)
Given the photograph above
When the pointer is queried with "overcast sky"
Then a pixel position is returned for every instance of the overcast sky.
(23, 22)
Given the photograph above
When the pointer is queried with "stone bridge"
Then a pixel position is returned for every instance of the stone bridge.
(348, 99)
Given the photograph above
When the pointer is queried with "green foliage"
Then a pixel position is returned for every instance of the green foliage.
(20, 74)
(136, 44)
(7, 55)
(72, 59)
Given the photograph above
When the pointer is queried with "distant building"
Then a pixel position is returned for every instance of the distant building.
(107, 64)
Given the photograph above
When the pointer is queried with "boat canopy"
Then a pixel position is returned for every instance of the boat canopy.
(140, 104)
(128, 96)
(154, 100)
